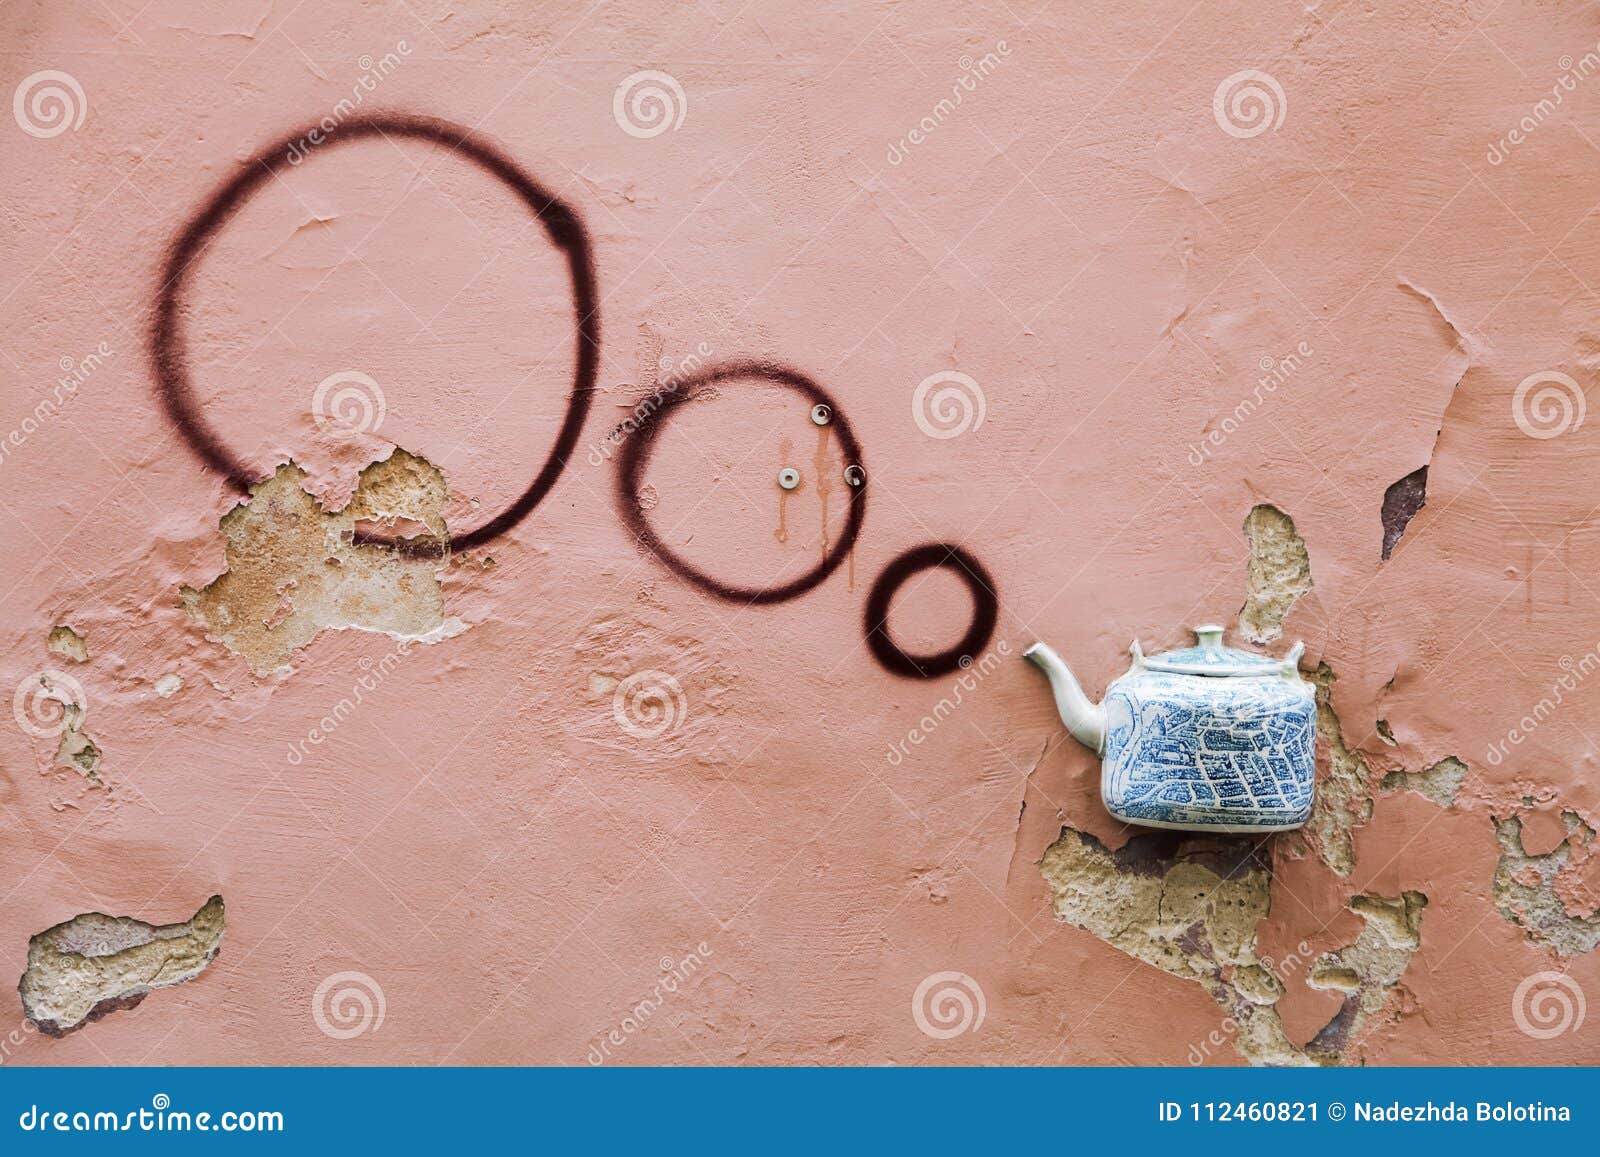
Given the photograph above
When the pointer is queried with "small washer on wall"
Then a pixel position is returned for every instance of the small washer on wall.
(985, 611)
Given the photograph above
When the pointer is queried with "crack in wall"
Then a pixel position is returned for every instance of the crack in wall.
(91, 965)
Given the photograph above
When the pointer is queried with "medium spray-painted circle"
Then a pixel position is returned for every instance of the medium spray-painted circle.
(635, 456)
(985, 611)
(561, 224)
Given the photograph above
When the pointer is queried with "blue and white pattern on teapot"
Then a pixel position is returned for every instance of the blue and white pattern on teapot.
(1206, 738)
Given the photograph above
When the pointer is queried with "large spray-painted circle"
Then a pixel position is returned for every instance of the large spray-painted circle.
(635, 456)
(985, 611)
(561, 225)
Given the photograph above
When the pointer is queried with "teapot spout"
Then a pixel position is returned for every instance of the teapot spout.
(1085, 720)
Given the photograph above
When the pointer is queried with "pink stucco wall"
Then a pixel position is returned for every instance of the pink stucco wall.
(1110, 256)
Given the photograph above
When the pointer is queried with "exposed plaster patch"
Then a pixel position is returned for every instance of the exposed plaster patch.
(86, 967)
(1190, 905)
(1344, 794)
(1279, 573)
(1439, 782)
(1528, 892)
(1368, 972)
(169, 685)
(295, 568)
(1400, 505)
(77, 748)
(65, 641)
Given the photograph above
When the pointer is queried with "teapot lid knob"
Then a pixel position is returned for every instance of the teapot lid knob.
(1210, 636)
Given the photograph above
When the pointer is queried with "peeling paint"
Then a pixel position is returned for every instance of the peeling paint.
(1439, 782)
(1344, 789)
(296, 569)
(1191, 905)
(89, 966)
(68, 643)
(1279, 573)
(1527, 888)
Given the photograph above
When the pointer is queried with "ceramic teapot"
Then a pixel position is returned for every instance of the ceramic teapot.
(1207, 738)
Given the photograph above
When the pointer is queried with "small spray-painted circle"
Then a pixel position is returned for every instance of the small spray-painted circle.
(788, 478)
(561, 225)
(635, 456)
(985, 611)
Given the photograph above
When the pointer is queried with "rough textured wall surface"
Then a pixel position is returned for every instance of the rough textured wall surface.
(1274, 315)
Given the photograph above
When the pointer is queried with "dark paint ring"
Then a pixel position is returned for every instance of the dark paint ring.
(985, 613)
(561, 224)
(635, 456)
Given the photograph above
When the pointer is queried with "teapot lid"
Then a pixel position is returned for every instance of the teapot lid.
(1210, 657)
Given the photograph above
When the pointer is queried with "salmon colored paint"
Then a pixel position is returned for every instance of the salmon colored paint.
(1086, 284)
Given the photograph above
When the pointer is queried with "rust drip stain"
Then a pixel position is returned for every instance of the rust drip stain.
(819, 466)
